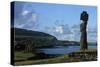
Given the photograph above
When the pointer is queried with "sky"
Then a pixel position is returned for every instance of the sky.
(60, 20)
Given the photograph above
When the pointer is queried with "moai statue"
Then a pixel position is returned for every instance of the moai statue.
(83, 27)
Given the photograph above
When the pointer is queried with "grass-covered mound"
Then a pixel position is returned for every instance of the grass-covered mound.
(28, 39)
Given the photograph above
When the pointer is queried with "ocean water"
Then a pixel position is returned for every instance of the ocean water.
(62, 49)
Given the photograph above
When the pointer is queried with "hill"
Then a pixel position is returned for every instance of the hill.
(24, 32)
(26, 39)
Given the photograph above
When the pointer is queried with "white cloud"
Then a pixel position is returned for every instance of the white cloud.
(33, 17)
(63, 29)
(59, 29)
(62, 32)
(26, 20)
(25, 12)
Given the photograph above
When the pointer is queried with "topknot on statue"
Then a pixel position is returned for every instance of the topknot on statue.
(84, 16)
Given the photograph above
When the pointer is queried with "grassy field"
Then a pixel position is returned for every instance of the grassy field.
(61, 59)
(22, 58)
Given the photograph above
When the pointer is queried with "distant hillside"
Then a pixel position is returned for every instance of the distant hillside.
(24, 38)
(24, 32)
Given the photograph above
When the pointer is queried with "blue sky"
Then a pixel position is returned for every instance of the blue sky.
(60, 20)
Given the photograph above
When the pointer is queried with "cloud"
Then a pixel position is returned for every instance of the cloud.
(62, 29)
(25, 12)
(64, 32)
(76, 28)
(92, 30)
(26, 19)
(23, 17)
(59, 29)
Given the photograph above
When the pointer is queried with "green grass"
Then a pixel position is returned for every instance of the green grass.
(44, 61)
(22, 56)
(60, 59)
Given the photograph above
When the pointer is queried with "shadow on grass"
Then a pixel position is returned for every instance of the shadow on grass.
(39, 56)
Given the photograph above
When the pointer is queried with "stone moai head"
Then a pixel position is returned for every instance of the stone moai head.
(84, 16)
